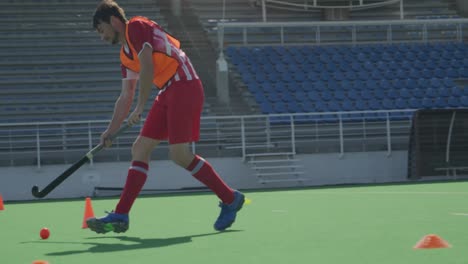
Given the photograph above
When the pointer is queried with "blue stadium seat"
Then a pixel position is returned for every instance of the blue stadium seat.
(293, 107)
(371, 85)
(273, 97)
(333, 106)
(452, 73)
(405, 93)
(356, 67)
(401, 74)
(440, 102)
(454, 101)
(280, 107)
(375, 105)
(448, 82)
(353, 94)
(435, 83)
(464, 101)
(392, 93)
(444, 92)
(456, 91)
(363, 75)
(300, 95)
(431, 93)
(366, 94)
(427, 102)
(339, 95)
(463, 72)
(347, 105)
(313, 95)
(418, 93)
(346, 85)
(388, 104)
(326, 95)
(266, 107)
(361, 105)
(401, 103)
(423, 83)
(415, 103)
(379, 94)
(439, 72)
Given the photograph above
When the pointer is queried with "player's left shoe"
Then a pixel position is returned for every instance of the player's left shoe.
(229, 212)
(111, 222)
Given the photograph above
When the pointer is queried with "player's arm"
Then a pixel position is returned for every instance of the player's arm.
(122, 105)
(146, 82)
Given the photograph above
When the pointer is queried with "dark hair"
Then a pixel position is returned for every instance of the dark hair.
(105, 10)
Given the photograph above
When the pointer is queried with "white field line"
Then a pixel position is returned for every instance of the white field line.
(383, 192)
(460, 214)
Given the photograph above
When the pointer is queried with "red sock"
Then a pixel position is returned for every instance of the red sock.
(202, 171)
(135, 180)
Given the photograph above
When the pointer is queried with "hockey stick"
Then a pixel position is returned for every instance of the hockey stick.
(57, 181)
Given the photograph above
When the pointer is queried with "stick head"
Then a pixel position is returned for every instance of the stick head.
(35, 192)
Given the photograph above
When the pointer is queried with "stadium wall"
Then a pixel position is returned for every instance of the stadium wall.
(320, 169)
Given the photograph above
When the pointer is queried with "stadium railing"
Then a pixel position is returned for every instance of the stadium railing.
(341, 32)
(38, 144)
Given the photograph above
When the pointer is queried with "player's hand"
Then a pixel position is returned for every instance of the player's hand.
(105, 139)
(135, 117)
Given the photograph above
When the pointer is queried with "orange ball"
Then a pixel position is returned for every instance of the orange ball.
(40, 262)
(45, 233)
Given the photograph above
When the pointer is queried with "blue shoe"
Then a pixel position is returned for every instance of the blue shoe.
(229, 212)
(112, 222)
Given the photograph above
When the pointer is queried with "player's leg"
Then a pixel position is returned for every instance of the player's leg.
(231, 200)
(118, 221)
(183, 127)
(154, 130)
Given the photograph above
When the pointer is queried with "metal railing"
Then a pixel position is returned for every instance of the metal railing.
(342, 32)
(226, 136)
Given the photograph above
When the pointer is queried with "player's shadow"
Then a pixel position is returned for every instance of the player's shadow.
(138, 243)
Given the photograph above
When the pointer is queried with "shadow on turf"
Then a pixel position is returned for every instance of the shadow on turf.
(139, 243)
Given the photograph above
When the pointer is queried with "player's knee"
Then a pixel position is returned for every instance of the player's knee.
(141, 151)
(181, 156)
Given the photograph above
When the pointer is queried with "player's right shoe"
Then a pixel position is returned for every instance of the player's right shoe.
(229, 212)
(117, 223)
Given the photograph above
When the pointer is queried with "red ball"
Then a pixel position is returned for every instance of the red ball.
(45, 233)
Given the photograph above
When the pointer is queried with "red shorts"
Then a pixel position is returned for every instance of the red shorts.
(175, 114)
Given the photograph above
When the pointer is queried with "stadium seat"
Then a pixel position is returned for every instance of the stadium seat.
(427, 102)
(454, 101)
(418, 93)
(464, 101)
(401, 103)
(440, 102)
(388, 104)
(405, 93)
(455, 91)
(415, 103)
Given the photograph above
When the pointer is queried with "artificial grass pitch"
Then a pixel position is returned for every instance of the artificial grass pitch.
(353, 225)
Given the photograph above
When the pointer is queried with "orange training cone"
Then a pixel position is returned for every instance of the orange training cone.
(1, 203)
(431, 241)
(40, 262)
(88, 213)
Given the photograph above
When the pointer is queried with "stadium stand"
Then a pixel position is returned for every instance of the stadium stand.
(343, 78)
(53, 65)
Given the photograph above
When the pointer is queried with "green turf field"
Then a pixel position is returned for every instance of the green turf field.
(353, 225)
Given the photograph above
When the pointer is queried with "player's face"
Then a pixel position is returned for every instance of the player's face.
(108, 33)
